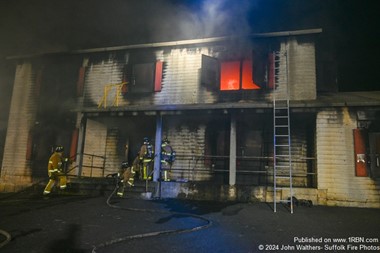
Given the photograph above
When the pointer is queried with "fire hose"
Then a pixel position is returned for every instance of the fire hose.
(4, 233)
(150, 234)
(7, 238)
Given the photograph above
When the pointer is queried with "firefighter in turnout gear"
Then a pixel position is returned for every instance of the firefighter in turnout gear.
(167, 158)
(55, 171)
(146, 156)
(126, 177)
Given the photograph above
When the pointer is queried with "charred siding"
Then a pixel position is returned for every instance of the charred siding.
(98, 74)
(181, 78)
(180, 84)
(188, 140)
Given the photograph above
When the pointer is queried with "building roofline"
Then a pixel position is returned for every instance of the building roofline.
(173, 43)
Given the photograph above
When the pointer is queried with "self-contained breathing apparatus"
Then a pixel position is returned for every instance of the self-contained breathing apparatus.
(146, 156)
(168, 156)
(125, 178)
(57, 169)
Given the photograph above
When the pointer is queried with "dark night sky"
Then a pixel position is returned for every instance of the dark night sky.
(350, 27)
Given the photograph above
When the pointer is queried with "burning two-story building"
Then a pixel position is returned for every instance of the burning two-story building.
(218, 100)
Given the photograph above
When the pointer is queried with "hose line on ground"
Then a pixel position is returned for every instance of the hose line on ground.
(151, 234)
(7, 238)
(5, 233)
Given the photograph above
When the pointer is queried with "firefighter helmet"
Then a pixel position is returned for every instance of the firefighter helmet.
(59, 149)
(166, 141)
(124, 164)
(146, 140)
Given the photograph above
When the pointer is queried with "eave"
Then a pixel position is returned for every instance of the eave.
(202, 41)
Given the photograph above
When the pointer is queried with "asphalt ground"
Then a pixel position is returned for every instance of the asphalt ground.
(66, 223)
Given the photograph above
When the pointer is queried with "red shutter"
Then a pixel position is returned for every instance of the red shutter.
(158, 76)
(124, 89)
(80, 83)
(360, 146)
(74, 144)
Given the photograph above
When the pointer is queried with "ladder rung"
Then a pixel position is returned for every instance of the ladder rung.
(281, 135)
(283, 177)
(282, 126)
(281, 145)
(282, 155)
(282, 188)
(284, 200)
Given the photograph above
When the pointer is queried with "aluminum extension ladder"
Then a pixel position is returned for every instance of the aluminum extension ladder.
(282, 160)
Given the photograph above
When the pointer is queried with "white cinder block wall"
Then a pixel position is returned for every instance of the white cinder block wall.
(94, 148)
(302, 70)
(336, 164)
(15, 171)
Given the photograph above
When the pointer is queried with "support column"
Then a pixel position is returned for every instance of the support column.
(232, 179)
(16, 172)
(81, 141)
(157, 149)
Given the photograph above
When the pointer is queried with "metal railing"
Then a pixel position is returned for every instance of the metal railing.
(191, 168)
(91, 165)
(247, 168)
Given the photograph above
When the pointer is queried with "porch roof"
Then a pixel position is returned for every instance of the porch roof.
(324, 100)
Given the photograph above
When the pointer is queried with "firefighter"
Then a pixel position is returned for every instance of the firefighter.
(126, 176)
(167, 158)
(146, 156)
(55, 171)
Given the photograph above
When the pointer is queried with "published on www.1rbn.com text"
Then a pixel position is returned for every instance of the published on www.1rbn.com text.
(323, 244)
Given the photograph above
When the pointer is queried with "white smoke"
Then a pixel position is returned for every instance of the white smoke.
(223, 17)
(210, 18)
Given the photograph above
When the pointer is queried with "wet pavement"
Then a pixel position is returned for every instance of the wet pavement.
(66, 223)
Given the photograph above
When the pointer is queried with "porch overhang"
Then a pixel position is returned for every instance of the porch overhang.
(325, 100)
